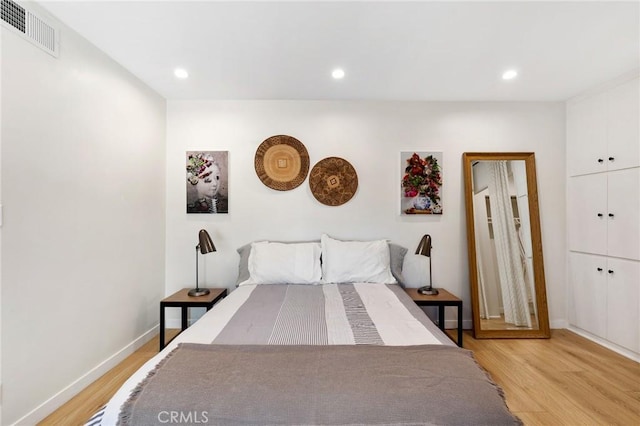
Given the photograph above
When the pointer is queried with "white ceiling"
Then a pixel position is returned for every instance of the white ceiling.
(420, 50)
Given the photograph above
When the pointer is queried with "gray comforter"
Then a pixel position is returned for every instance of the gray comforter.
(317, 385)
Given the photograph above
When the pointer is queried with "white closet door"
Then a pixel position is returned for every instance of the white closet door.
(623, 214)
(588, 213)
(586, 135)
(588, 293)
(623, 284)
(623, 127)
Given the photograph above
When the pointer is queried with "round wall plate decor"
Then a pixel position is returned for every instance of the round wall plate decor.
(282, 162)
(333, 181)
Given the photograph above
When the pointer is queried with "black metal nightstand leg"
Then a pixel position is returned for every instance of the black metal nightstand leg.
(185, 317)
(161, 327)
(460, 325)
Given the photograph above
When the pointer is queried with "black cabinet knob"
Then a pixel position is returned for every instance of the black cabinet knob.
(610, 214)
(599, 269)
(610, 271)
(611, 158)
(600, 160)
(600, 215)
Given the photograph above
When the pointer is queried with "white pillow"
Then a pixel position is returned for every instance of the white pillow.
(279, 263)
(355, 261)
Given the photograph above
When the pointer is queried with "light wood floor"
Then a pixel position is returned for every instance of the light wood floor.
(566, 380)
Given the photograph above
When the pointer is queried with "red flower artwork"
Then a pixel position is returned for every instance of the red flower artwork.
(422, 177)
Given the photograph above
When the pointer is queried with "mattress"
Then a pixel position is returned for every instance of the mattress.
(330, 314)
(362, 315)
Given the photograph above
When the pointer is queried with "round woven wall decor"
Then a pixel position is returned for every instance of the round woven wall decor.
(333, 181)
(282, 162)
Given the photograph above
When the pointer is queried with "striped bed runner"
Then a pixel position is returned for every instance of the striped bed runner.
(301, 315)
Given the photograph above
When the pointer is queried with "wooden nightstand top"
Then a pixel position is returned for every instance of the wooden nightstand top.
(443, 296)
(182, 296)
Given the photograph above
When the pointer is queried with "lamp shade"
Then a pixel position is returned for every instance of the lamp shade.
(206, 245)
(424, 247)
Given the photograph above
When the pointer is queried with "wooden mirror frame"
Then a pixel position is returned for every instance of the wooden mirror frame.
(543, 331)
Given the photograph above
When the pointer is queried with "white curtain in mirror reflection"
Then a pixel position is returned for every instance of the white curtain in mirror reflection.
(503, 244)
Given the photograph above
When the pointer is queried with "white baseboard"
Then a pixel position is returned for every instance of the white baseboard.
(173, 319)
(453, 324)
(602, 342)
(176, 323)
(56, 401)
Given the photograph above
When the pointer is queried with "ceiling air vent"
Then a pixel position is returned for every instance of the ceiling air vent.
(30, 26)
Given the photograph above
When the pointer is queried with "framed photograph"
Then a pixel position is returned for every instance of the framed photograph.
(207, 179)
(421, 182)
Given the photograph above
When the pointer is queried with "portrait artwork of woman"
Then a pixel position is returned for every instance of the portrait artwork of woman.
(207, 182)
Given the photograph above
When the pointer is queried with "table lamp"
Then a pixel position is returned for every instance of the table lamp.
(424, 249)
(205, 246)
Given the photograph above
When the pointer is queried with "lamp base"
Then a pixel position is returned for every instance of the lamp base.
(198, 292)
(428, 291)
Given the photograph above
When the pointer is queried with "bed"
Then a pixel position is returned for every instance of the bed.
(307, 338)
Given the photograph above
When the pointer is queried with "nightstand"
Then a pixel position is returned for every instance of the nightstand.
(182, 300)
(444, 298)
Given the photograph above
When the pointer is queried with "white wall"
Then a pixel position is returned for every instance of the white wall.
(83, 152)
(1, 391)
(370, 135)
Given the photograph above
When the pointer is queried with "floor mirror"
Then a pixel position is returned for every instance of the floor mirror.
(506, 268)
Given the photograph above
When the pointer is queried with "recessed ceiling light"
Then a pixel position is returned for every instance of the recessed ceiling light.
(338, 73)
(181, 73)
(509, 75)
